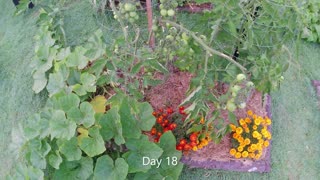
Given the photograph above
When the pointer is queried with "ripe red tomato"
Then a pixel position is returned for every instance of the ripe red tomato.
(172, 126)
(156, 139)
(159, 134)
(181, 108)
(193, 144)
(179, 147)
(166, 129)
(183, 142)
(159, 120)
(153, 131)
(169, 110)
(193, 137)
(187, 147)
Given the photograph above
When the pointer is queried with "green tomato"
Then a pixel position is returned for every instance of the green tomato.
(185, 36)
(171, 12)
(131, 20)
(169, 37)
(163, 12)
(133, 14)
(128, 7)
(154, 28)
(241, 77)
(231, 106)
(235, 88)
(249, 84)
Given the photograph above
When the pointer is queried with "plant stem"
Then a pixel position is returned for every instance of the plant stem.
(149, 15)
(206, 47)
(124, 29)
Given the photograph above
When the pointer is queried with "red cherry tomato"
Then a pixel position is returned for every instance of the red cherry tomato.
(183, 142)
(179, 147)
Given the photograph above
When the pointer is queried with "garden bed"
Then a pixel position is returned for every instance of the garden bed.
(213, 156)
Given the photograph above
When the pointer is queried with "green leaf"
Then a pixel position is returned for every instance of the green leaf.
(157, 66)
(191, 96)
(111, 126)
(69, 148)
(106, 169)
(232, 118)
(140, 148)
(145, 118)
(94, 144)
(88, 82)
(195, 128)
(38, 150)
(99, 104)
(26, 172)
(75, 170)
(69, 101)
(77, 58)
(129, 123)
(40, 81)
(55, 160)
(98, 67)
(60, 127)
(55, 84)
(88, 114)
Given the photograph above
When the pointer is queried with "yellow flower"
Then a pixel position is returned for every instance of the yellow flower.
(242, 122)
(247, 130)
(238, 155)
(199, 146)
(253, 147)
(233, 151)
(235, 135)
(255, 134)
(240, 148)
(254, 116)
(261, 141)
(247, 141)
(268, 121)
(257, 121)
(233, 127)
(251, 155)
(254, 127)
(250, 113)
(240, 139)
(245, 154)
(266, 143)
(249, 149)
(195, 148)
(239, 130)
(247, 120)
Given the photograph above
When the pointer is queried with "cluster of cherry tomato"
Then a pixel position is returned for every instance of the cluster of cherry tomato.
(184, 145)
(164, 122)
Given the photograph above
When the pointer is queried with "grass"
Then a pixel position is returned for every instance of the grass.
(295, 146)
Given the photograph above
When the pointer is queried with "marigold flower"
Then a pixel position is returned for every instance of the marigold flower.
(235, 135)
(247, 130)
(242, 122)
(255, 134)
(245, 154)
(257, 121)
(238, 155)
(240, 139)
(253, 147)
(254, 116)
(247, 141)
(249, 112)
(233, 151)
(254, 127)
(247, 120)
(240, 148)
(266, 143)
(268, 121)
(239, 130)
(249, 149)
(195, 148)
(257, 156)
(233, 127)
(252, 155)
(200, 146)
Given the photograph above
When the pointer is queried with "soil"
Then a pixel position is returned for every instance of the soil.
(216, 156)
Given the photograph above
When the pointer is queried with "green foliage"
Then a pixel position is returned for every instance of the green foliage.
(310, 17)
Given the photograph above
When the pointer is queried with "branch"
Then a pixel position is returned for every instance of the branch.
(206, 47)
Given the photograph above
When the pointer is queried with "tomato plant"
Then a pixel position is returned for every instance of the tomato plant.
(96, 117)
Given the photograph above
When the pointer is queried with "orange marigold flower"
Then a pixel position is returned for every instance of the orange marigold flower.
(239, 130)
(252, 155)
(240, 148)
(242, 122)
(247, 120)
(235, 135)
(249, 112)
(238, 155)
(254, 116)
(233, 151)
(247, 141)
(233, 127)
(245, 154)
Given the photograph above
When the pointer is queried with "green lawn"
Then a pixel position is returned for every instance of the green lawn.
(295, 146)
